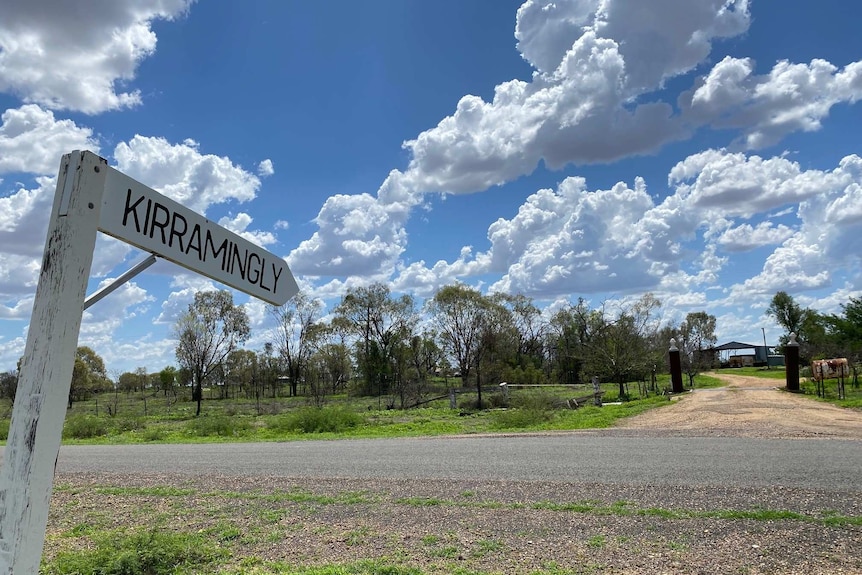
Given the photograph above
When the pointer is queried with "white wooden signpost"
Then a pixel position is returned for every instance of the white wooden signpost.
(91, 197)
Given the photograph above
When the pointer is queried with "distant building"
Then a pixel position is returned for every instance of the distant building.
(738, 354)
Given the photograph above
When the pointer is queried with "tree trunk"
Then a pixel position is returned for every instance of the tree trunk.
(478, 391)
(197, 395)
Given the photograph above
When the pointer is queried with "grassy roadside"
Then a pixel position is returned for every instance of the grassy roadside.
(120, 530)
(155, 419)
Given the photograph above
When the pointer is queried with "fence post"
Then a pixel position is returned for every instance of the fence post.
(597, 397)
(675, 367)
(791, 363)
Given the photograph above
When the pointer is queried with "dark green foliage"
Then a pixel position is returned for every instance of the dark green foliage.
(124, 424)
(520, 418)
(529, 410)
(316, 420)
(85, 427)
(536, 401)
(149, 552)
(4, 429)
(217, 425)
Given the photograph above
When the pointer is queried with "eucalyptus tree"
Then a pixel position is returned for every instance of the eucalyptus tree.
(8, 384)
(168, 380)
(474, 330)
(617, 346)
(330, 359)
(531, 329)
(789, 315)
(498, 354)
(88, 375)
(210, 329)
(294, 322)
(381, 323)
(458, 314)
(696, 336)
(242, 373)
(567, 336)
(426, 358)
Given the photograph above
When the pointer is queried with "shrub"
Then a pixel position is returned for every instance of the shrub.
(121, 425)
(537, 401)
(4, 429)
(217, 425)
(154, 434)
(498, 400)
(530, 410)
(316, 420)
(519, 418)
(470, 403)
(148, 552)
(85, 427)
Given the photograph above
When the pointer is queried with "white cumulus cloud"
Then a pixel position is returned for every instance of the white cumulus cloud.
(32, 140)
(183, 173)
(78, 56)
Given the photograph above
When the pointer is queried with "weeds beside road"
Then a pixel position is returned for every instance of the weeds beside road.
(272, 525)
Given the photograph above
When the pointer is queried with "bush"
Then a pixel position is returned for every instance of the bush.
(316, 420)
(531, 400)
(154, 434)
(122, 425)
(498, 400)
(519, 418)
(217, 425)
(139, 553)
(4, 429)
(531, 409)
(85, 427)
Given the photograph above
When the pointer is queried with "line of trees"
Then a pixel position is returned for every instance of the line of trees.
(381, 344)
(820, 335)
(375, 343)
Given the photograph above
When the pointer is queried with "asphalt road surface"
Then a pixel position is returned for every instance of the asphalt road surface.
(575, 457)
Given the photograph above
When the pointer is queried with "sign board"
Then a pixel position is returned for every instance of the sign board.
(137, 214)
(91, 197)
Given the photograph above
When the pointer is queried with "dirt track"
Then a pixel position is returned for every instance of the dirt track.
(751, 407)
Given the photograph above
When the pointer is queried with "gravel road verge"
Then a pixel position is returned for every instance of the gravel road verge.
(523, 527)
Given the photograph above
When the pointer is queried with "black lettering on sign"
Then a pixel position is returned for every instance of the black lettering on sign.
(159, 223)
(133, 209)
(154, 220)
(176, 233)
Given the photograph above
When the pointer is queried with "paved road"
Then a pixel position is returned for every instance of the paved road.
(577, 457)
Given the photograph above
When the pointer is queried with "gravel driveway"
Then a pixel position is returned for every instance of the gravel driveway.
(750, 407)
(442, 526)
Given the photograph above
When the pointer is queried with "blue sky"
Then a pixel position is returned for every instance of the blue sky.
(701, 150)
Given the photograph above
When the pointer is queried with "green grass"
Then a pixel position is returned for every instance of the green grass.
(771, 373)
(139, 552)
(171, 421)
(221, 532)
(365, 567)
(627, 509)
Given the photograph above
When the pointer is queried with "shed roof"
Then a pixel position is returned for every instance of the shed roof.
(735, 345)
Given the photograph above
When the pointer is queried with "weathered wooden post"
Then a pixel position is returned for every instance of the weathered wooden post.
(597, 396)
(27, 474)
(675, 368)
(791, 363)
(93, 197)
